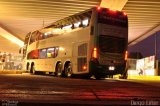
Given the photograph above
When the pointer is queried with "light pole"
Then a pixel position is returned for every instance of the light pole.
(155, 45)
(155, 50)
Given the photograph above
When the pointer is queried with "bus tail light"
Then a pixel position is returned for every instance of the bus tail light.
(95, 53)
(98, 8)
(125, 14)
(84, 68)
(126, 55)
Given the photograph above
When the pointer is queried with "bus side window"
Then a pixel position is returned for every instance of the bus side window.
(56, 51)
(35, 36)
(40, 37)
(28, 55)
(33, 54)
(43, 36)
(43, 53)
(32, 39)
(52, 52)
(27, 38)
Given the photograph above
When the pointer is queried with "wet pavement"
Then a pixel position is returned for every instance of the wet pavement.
(26, 89)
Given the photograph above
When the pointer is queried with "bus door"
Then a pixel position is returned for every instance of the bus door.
(80, 52)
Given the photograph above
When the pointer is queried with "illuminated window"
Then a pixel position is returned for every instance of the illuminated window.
(33, 54)
(85, 22)
(76, 25)
(52, 52)
(42, 53)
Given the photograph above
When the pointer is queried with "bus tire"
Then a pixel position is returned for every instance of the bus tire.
(110, 76)
(98, 77)
(68, 70)
(32, 69)
(27, 67)
(87, 76)
(58, 70)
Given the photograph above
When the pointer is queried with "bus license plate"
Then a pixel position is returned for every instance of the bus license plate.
(111, 68)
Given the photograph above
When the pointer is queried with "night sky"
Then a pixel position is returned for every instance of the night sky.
(147, 46)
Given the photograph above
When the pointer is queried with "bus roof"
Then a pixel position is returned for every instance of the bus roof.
(71, 19)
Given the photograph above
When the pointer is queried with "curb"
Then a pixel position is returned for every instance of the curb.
(11, 72)
(152, 78)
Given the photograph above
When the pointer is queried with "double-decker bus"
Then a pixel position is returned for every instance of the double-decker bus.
(90, 43)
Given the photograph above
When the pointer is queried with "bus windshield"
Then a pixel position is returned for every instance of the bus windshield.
(112, 44)
(112, 31)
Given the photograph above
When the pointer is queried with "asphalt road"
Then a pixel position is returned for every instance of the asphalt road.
(35, 90)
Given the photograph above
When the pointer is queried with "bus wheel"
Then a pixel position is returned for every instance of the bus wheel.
(27, 67)
(68, 70)
(98, 77)
(32, 70)
(88, 76)
(58, 71)
(110, 76)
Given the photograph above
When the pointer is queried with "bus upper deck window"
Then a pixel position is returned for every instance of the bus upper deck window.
(124, 13)
(67, 27)
(76, 25)
(85, 22)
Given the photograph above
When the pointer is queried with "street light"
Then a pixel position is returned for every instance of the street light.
(155, 53)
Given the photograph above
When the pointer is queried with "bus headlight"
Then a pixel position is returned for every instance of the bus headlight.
(111, 68)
